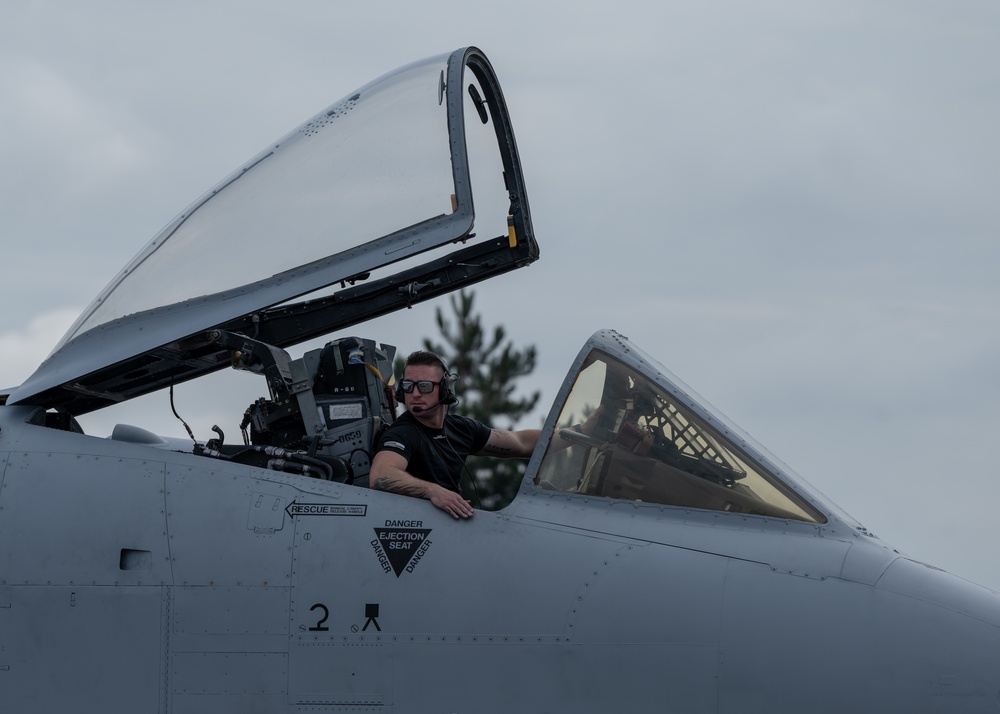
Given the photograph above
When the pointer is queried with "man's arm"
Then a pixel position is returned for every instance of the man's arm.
(388, 473)
(511, 444)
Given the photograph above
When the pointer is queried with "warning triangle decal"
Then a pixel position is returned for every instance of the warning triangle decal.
(401, 544)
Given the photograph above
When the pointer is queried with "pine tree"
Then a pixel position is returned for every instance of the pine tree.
(488, 366)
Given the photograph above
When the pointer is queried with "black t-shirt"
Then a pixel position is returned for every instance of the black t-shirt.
(435, 455)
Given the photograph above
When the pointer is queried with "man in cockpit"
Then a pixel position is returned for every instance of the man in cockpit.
(423, 452)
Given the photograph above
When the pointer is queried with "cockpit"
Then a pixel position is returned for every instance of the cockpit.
(407, 189)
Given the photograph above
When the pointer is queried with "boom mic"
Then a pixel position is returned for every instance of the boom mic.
(450, 401)
(417, 410)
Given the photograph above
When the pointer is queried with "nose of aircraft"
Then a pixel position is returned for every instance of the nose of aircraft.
(918, 640)
(928, 584)
(939, 635)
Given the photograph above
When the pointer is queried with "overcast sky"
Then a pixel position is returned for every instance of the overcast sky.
(793, 205)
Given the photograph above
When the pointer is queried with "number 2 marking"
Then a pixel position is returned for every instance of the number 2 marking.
(319, 627)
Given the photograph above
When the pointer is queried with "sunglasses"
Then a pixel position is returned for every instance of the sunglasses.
(425, 386)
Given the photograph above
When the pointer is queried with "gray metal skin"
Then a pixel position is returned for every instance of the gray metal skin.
(138, 578)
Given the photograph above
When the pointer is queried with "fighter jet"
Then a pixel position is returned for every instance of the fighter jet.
(655, 558)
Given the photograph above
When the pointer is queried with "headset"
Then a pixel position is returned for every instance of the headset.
(446, 395)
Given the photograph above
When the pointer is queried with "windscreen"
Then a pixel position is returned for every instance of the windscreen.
(622, 436)
(374, 163)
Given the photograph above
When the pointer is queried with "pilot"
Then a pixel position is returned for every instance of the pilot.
(423, 452)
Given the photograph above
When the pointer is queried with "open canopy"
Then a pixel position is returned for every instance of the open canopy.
(365, 202)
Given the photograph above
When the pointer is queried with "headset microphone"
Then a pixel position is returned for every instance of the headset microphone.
(449, 401)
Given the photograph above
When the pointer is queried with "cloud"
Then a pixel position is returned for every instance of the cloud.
(24, 349)
(88, 146)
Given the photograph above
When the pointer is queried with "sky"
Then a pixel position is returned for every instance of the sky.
(792, 205)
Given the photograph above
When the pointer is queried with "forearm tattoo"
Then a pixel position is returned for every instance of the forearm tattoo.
(504, 445)
(386, 483)
(498, 450)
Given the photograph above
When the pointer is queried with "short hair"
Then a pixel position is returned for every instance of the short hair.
(425, 357)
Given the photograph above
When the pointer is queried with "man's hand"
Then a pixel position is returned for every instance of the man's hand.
(449, 501)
